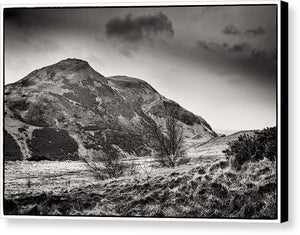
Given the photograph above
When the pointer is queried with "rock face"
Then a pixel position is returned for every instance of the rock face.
(68, 110)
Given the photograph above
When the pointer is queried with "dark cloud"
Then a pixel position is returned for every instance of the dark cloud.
(126, 52)
(15, 16)
(241, 58)
(133, 29)
(212, 46)
(223, 47)
(259, 56)
(231, 30)
(239, 47)
(23, 29)
(255, 31)
(11, 13)
(265, 61)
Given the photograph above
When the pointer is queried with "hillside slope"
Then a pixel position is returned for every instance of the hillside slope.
(67, 110)
(215, 146)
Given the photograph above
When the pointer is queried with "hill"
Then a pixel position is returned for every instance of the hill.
(68, 111)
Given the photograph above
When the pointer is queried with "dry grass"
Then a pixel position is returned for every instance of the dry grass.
(203, 189)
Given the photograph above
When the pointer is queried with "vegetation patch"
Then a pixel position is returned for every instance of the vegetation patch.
(81, 95)
(253, 148)
(53, 144)
(127, 141)
(12, 150)
(17, 105)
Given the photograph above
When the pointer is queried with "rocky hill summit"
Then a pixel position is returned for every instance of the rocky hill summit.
(68, 111)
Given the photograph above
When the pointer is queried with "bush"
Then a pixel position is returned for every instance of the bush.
(110, 164)
(263, 144)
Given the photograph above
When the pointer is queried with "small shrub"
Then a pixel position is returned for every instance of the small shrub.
(219, 190)
(110, 163)
(201, 171)
(253, 148)
(267, 188)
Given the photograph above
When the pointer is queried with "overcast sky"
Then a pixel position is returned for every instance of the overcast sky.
(218, 62)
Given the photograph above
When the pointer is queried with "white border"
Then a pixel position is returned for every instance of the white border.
(1, 115)
(279, 111)
(154, 3)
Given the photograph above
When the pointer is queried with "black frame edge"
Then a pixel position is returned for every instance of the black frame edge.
(284, 112)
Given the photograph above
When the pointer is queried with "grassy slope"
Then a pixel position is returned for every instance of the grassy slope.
(215, 146)
(200, 189)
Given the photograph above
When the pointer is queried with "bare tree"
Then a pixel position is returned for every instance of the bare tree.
(169, 141)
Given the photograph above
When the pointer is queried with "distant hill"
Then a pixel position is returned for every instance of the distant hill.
(67, 111)
(225, 132)
(215, 146)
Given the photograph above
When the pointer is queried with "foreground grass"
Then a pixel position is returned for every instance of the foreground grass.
(211, 190)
